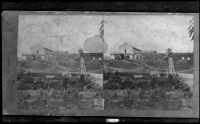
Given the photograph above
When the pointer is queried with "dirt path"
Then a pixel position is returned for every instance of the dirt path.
(138, 69)
(188, 79)
(187, 71)
(184, 75)
(123, 70)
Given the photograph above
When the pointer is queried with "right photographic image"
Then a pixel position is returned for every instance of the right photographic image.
(148, 62)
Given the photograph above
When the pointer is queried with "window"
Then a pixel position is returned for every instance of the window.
(99, 58)
(37, 51)
(93, 58)
(125, 51)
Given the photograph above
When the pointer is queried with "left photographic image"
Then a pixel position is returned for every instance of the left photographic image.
(60, 63)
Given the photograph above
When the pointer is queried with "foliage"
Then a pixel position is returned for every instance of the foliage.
(121, 81)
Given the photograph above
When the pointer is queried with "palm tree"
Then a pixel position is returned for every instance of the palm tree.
(191, 29)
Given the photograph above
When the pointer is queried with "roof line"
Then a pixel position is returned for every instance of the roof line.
(130, 46)
(48, 49)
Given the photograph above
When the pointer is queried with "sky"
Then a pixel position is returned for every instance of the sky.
(69, 32)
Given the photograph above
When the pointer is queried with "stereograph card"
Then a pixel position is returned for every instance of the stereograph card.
(100, 64)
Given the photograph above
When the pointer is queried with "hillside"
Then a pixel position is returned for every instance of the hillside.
(148, 65)
(69, 61)
(61, 62)
(125, 66)
(182, 61)
(34, 64)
